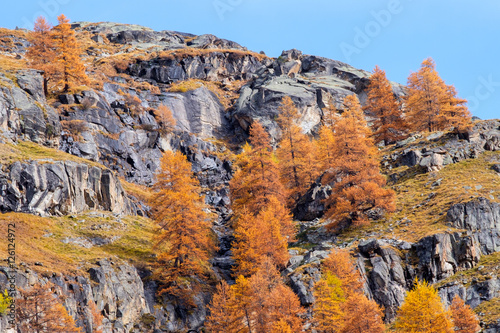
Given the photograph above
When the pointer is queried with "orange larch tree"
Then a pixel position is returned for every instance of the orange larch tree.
(68, 55)
(165, 119)
(464, 319)
(423, 311)
(295, 152)
(42, 51)
(328, 314)
(39, 310)
(284, 306)
(257, 177)
(388, 125)
(362, 315)
(431, 104)
(266, 300)
(358, 184)
(184, 238)
(262, 237)
(340, 264)
(226, 316)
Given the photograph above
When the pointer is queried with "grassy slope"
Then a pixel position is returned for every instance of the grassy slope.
(426, 205)
(40, 239)
(135, 233)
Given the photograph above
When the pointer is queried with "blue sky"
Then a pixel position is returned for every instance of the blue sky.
(461, 35)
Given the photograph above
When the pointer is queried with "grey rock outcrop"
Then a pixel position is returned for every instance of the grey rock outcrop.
(144, 37)
(312, 82)
(199, 112)
(311, 205)
(432, 155)
(24, 111)
(442, 255)
(214, 66)
(63, 187)
(387, 280)
(481, 218)
(117, 291)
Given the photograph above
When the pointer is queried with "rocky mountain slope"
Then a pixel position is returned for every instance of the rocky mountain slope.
(74, 171)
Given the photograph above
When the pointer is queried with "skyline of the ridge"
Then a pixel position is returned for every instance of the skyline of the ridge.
(397, 35)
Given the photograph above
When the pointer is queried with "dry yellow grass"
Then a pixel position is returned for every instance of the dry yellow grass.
(426, 205)
(195, 52)
(227, 96)
(40, 239)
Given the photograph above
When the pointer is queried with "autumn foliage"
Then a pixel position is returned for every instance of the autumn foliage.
(340, 304)
(68, 55)
(431, 104)
(259, 304)
(56, 51)
(184, 237)
(354, 171)
(464, 319)
(423, 311)
(262, 237)
(388, 125)
(295, 153)
(165, 119)
(257, 178)
(39, 310)
(42, 51)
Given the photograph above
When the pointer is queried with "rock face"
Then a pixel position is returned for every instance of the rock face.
(143, 37)
(24, 111)
(312, 83)
(432, 155)
(60, 188)
(481, 218)
(117, 291)
(214, 66)
(127, 304)
(311, 205)
(199, 112)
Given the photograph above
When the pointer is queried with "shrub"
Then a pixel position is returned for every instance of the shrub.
(74, 128)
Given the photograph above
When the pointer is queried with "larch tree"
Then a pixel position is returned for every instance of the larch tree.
(226, 316)
(328, 314)
(295, 152)
(262, 237)
(464, 319)
(358, 185)
(340, 264)
(68, 55)
(388, 125)
(281, 326)
(324, 145)
(431, 104)
(261, 303)
(257, 177)
(42, 51)
(39, 310)
(423, 311)
(184, 238)
(165, 119)
(284, 306)
(362, 315)
(243, 293)
(97, 317)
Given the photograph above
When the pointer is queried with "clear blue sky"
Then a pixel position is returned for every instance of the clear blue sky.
(461, 35)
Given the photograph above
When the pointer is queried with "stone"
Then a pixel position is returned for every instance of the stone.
(62, 187)
(482, 218)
